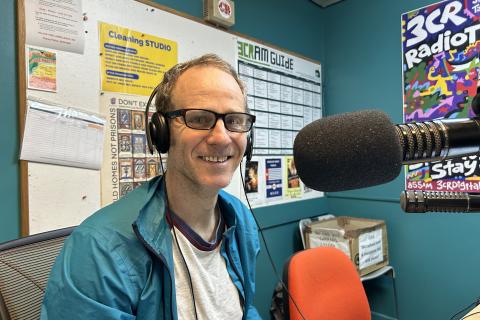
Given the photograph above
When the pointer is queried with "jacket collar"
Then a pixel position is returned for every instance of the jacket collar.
(152, 225)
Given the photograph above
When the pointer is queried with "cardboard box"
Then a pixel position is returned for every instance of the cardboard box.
(363, 240)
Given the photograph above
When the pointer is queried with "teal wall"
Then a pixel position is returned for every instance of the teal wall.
(435, 255)
(9, 168)
(359, 44)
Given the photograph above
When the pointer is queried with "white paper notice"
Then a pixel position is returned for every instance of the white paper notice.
(275, 139)
(317, 113)
(56, 24)
(260, 74)
(307, 98)
(274, 106)
(274, 121)
(251, 102)
(297, 123)
(317, 100)
(297, 96)
(261, 138)
(273, 77)
(286, 94)
(287, 141)
(260, 88)
(307, 115)
(287, 122)
(297, 110)
(248, 81)
(370, 248)
(262, 120)
(286, 80)
(286, 108)
(273, 91)
(329, 238)
(261, 104)
(244, 69)
(64, 136)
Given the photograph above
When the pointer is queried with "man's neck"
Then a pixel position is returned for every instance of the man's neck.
(198, 208)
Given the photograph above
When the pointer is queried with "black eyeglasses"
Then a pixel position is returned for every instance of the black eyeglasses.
(201, 119)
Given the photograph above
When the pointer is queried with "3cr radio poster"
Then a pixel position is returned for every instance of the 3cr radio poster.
(441, 44)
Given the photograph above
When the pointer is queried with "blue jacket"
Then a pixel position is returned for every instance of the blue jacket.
(109, 270)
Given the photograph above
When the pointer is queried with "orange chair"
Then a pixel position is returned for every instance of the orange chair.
(325, 286)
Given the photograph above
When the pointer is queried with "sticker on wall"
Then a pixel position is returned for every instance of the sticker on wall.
(273, 178)
(42, 70)
(255, 181)
(292, 181)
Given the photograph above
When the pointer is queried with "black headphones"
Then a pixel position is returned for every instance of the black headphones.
(158, 132)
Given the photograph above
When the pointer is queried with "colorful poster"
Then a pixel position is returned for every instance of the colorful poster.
(42, 70)
(133, 62)
(292, 182)
(273, 178)
(441, 69)
(55, 24)
(126, 162)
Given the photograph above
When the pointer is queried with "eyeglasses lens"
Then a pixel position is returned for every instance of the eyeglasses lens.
(238, 122)
(204, 120)
(199, 119)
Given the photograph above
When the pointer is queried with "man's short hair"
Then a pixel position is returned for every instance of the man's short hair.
(163, 100)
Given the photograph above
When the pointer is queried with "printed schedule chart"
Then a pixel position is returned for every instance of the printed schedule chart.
(282, 103)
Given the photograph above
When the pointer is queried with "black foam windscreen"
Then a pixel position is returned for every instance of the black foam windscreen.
(476, 103)
(348, 151)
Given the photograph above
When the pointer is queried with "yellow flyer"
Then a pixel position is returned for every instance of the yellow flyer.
(133, 62)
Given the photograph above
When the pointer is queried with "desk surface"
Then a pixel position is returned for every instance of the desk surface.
(474, 314)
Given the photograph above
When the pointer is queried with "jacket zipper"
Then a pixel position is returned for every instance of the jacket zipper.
(137, 233)
(227, 247)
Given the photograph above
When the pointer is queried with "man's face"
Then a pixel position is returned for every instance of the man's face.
(205, 158)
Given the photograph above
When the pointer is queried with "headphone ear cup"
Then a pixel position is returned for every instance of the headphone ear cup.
(249, 149)
(151, 131)
(159, 133)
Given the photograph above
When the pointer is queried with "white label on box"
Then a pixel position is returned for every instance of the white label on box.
(370, 248)
(329, 238)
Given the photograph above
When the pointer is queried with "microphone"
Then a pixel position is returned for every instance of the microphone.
(476, 103)
(438, 139)
(362, 149)
(428, 201)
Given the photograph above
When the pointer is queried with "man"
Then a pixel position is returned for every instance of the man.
(192, 249)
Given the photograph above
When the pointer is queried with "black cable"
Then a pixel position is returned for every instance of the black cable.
(261, 233)
(186, 267)
(266, 247)
(176, 240)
